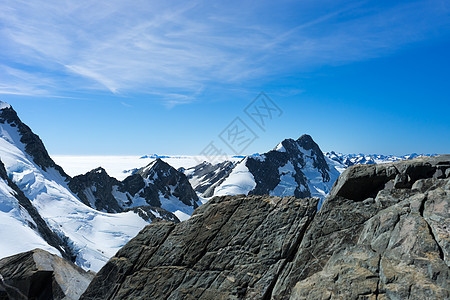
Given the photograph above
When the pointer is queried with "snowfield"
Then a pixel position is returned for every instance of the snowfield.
(240, 181)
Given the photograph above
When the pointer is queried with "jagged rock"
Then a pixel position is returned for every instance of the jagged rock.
(372, 239)
(95, 190)
(205, 176)
(294, 168)
(156, 190)
(38, 274)
(164, 179)
(32, 142)
(230, 248)
(153, 213)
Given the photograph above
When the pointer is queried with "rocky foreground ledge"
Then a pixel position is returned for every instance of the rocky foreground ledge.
(383, 233)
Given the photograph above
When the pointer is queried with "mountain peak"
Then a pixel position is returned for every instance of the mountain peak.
(4, 105)
(306, 139)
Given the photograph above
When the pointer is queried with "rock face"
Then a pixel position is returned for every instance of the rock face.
(38, 274)
(33, 144)
(377, 238)
(232, 247)
(381, 234)
(37, 209)
(162, 181)
(95, 190)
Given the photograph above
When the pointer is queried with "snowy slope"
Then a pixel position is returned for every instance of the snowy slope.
(94, 236)
(17, 228)
(240, 181)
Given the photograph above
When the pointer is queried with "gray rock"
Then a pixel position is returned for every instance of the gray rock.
(207, 176)
(231, 248)
(395, 248)
(38, 274)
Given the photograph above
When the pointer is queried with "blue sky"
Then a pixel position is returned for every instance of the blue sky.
(167, 77)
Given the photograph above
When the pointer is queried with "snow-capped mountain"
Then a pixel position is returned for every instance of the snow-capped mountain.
(348, 160)
(294, 168)
(156, 190)
(205, 177)
(68, 227)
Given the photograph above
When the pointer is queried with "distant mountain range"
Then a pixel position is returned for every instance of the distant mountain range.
(367, 159)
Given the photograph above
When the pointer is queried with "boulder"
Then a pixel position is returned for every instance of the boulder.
(38, 274)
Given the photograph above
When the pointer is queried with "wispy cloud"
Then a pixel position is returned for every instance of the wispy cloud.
(175, 49)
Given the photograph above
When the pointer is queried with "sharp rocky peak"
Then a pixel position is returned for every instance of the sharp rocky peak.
(33, 144)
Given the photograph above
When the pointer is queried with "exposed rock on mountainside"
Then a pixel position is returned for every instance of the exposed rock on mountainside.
(33, 144)
(38, 274)
(95, 190)
(206, 176)
(158, 186)
(381, 234)
(161, 179)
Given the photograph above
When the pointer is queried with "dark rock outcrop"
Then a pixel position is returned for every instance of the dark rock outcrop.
(375, 239)
(153, 213)
(389, 240)
(266, 171)
(232, 247)
(141, 192)
(40, 275)
(294, 168)
(163, 179)
(95, 190)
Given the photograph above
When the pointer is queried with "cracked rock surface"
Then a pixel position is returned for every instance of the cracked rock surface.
(381, 234)
(232, 248)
